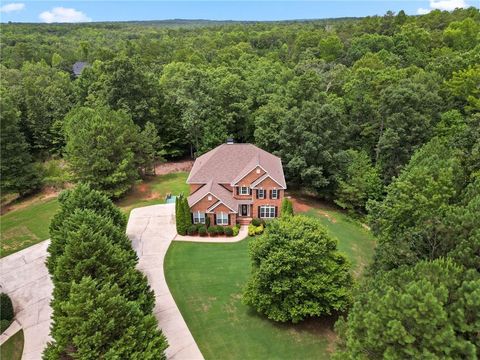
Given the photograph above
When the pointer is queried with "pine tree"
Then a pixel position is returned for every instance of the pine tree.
(187, 219)
(18, 173)
(98, 322)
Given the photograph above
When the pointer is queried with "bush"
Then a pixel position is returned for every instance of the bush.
(310, 277)
(228, 231)
(207, 221)
(212, 230)
(259, 230)
(192, 230)
(4, 324)
(202, 230)
(251, 230)
(220, 229)
(55, 173)
(6, 307)
(236, 230)
(287, 208)
(256, 222)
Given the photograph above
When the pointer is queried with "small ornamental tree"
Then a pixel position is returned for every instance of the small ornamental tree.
(99, 322)
(297, 271)
(182, 215)
(83, 197)
(428, 311)
(287, 208)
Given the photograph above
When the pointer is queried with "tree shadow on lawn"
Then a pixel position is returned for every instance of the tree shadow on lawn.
(321, 327)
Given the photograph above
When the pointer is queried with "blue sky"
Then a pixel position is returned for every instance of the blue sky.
(109, 10)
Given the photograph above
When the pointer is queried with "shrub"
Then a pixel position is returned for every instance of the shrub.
(212, 230)
(192, 230)
(259, 230)
(4, 324)
(220, 229)
(236, 230)
(207, 221)
(202, 230)
(310, 276)
(287, 208)
(251, 230)
(256, 222)
(228, 231)
(6, 307)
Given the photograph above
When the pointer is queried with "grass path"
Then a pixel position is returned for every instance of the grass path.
(206, 281)
(12, 348)
(29, 225)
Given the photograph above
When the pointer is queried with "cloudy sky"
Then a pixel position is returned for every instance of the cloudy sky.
(109, 10)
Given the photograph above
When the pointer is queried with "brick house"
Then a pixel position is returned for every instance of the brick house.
(234, 183)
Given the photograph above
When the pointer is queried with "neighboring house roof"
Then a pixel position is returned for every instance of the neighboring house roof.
(228, 164)
(78, 67)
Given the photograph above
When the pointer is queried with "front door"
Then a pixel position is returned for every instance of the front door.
(244, 210)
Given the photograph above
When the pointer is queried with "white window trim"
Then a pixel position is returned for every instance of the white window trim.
(268, 212)
(198, 219)
(276, 194)
(222, 218)
(263, 194)
(240, 192)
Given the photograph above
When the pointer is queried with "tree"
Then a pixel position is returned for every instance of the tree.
(182, 214)
(150, 149)
(101, 147)
(99, 322)
(94, 247)
(19, 174)
(82, 197)
(360, 183)
(297, 271)
(287, 208)
(426, 311)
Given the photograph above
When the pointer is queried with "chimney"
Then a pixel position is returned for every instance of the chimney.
(230, 141)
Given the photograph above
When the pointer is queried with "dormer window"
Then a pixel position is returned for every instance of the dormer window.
(244, 190)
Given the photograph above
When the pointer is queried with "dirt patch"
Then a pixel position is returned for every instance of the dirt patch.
(173, 167)
(17, 204)
(302, 204)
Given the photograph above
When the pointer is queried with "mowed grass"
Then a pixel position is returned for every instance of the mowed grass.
(29, 225)
(26, 226)
(206, 281)
(12, 348)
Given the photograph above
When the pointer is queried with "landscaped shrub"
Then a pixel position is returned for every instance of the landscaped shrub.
(236, 230)
(251, 230)
(220, 229)
(228, 231)
(259, 230)
(192, 230)
(6, 307)
(287, 208)
(4, 324)
(256, 222)
(212, 230)
(207, 221)
(202, 230)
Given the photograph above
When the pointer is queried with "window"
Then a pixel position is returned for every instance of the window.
(274, 194)
(258, 171)
(222, 218)
(267, 211)
(261, 194)
(209, 197)
(198, 217)
(244, 190)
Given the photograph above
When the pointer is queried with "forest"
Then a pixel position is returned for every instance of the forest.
(380, 115)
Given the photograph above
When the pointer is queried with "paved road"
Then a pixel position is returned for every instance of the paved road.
(151, 230)
(24, 277)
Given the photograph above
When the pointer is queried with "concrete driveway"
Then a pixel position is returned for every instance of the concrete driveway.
(24, 277)
(151, 230)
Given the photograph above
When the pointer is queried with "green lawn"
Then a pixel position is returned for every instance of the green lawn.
(12, 348)
(206, 281)
(28, 225)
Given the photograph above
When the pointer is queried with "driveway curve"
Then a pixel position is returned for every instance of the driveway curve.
(151, 230)
(25, 278)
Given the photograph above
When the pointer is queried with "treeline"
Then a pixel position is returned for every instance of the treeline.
(102, 305)
(359, 95)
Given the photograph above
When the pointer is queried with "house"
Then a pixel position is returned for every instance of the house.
(234, 183)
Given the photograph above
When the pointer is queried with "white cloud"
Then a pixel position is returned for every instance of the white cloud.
(12, 7)
(63, 15)
(447, 5)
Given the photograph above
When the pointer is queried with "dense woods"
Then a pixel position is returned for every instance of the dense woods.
(380, 115)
